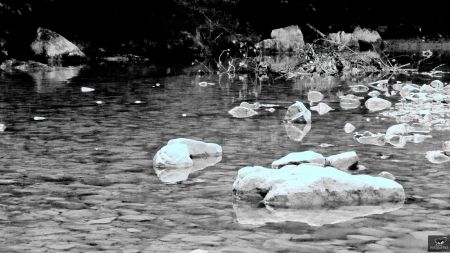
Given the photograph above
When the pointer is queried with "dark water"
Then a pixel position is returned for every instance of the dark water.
(82, 180)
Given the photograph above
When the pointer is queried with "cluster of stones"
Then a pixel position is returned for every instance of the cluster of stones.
(307, 179)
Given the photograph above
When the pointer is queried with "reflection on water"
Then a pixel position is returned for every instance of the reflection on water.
(49, 80)
(82, 180)
(249, 215)
(297, 132)
(172, 175)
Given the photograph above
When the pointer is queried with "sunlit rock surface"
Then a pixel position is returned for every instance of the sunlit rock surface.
(321, 108)
(309, 185)
(248, 214)
(299, 158)
(174, 155)
(297, 132)
(348, 128)
(50, 44)
(173, 162)
(298, 112)
(344, 161)
(377, 104)
(198, 148)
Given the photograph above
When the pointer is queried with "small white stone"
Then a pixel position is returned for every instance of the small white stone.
(184, 115)
(348, 128)
(203, 84)
(270, 109)
(387, 175)
(2, 127)
(99, 102)
(87, 89)
(37, 118)
(138, 102)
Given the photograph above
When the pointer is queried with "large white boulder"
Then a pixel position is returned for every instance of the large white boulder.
(173, 155)
(344, 161)
(198, 148)
(309, 185)
(297, 158)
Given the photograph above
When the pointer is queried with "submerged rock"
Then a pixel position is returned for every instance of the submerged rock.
(289, 38)
(299, 158)
(359, 88)
(298, 113)
(297, 132)
(52, 45)
(370, 138)
(377, 104)
(2, 127)
(242, 112)
(309, 185)
(344, 161)
(321, 108)
(247, 214)
(395, 140)
(11, 65)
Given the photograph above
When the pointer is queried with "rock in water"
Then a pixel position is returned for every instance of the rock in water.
(437, 157)
(242, 112)
(87, 89)
(377, 104)
(181, 156)
(52, 45)
(370, 138)
(348, 128)
(344, 161)
(349, 102)
(2, 127)
(175, 155)
(437, 84)
(315, 96)
(289, 38)
(309, 185)
(387, 175)
(446, 147)
(321, 108)
(298, 113)
(198, 148)
(299, 158)
(395, 140)
(399, 129)
(254, 106)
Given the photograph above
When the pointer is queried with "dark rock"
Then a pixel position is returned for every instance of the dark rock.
(53, 46)
(289, 38)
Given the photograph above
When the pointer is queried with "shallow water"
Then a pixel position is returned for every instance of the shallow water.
(82, 180)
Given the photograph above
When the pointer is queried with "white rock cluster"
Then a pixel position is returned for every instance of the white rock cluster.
(307, 179)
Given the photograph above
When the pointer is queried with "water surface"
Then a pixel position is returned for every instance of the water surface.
(82, 180)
